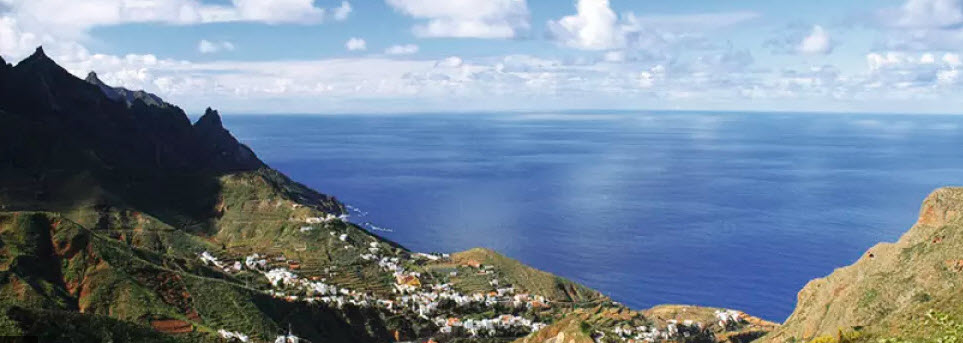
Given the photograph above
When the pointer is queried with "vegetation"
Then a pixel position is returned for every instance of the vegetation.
(894, 286)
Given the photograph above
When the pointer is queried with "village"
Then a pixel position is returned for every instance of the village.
(426, 301)
(454, 313)
(675, 329)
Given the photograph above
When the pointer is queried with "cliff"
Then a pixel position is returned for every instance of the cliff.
(895, 290)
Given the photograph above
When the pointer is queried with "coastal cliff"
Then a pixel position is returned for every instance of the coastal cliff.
(910, 289)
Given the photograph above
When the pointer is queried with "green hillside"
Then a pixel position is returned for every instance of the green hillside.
(909, 290)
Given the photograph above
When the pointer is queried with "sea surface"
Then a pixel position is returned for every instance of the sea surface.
(735, 210)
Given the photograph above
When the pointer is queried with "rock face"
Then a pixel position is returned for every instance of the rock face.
(220, 148)
(132, 129)
(126, 95)
(889, 290)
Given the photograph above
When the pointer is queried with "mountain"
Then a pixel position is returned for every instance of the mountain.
(124, 94)
(910, 290)
(123, 221)
(107, 204)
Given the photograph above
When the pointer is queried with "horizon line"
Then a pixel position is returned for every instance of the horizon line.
(586, 111)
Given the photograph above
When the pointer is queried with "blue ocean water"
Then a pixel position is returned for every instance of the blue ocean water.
(718, 209)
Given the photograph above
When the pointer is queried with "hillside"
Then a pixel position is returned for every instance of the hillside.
(125, 222)
(908, 290)
(674, 323)
(106, 203)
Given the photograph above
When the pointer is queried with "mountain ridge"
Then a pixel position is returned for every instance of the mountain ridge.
(892, 290)
(124, 94)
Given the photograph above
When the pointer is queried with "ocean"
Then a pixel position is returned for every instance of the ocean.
(734, 210)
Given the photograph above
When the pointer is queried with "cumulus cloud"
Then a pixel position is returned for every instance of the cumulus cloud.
(342, 12)
(406, 49)
(641, 66)
(593, 27)
(62, 24)
(817, 42)
(908, 70)
(70, 17)
(450, 62)
(275, 11)
(801, 39)
(649, 78)
(312, 85)
(15, 42)
(696, 21)
(614, 56)
(375, 83)
(928, 14)
(356, 44)
(922, 25)
(466, 18)
(209, 47)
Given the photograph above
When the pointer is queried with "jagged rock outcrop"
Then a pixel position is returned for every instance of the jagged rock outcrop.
(891, 288)
(126, 95)
(220, 148)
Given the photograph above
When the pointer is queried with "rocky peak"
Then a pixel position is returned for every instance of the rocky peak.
(128, 96)
(38, 59)
(4, 66)
(110, 92)
(41, 66)
(146, 133)
(39, 53)
(210, 120)
(92, 78)
(222, 150)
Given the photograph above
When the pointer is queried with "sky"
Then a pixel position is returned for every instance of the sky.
(387, 56)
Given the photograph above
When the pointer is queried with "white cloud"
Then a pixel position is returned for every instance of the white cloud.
(274, 11)
(929, 14)
(801, 39)
(341, 13)
(450, 62)
(72, 18)
(356, 44)
(648, 78)
(614, 56)
(593, 27)
(643, 70)
(209, 47)
(817, 42)
(952, 60)
(15, 42)
(466, 18)
(922, 25)
(406, 49)
(717, 80)
(909, 71)
(696, 21)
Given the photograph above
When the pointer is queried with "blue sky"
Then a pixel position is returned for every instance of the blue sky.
(333, 56)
